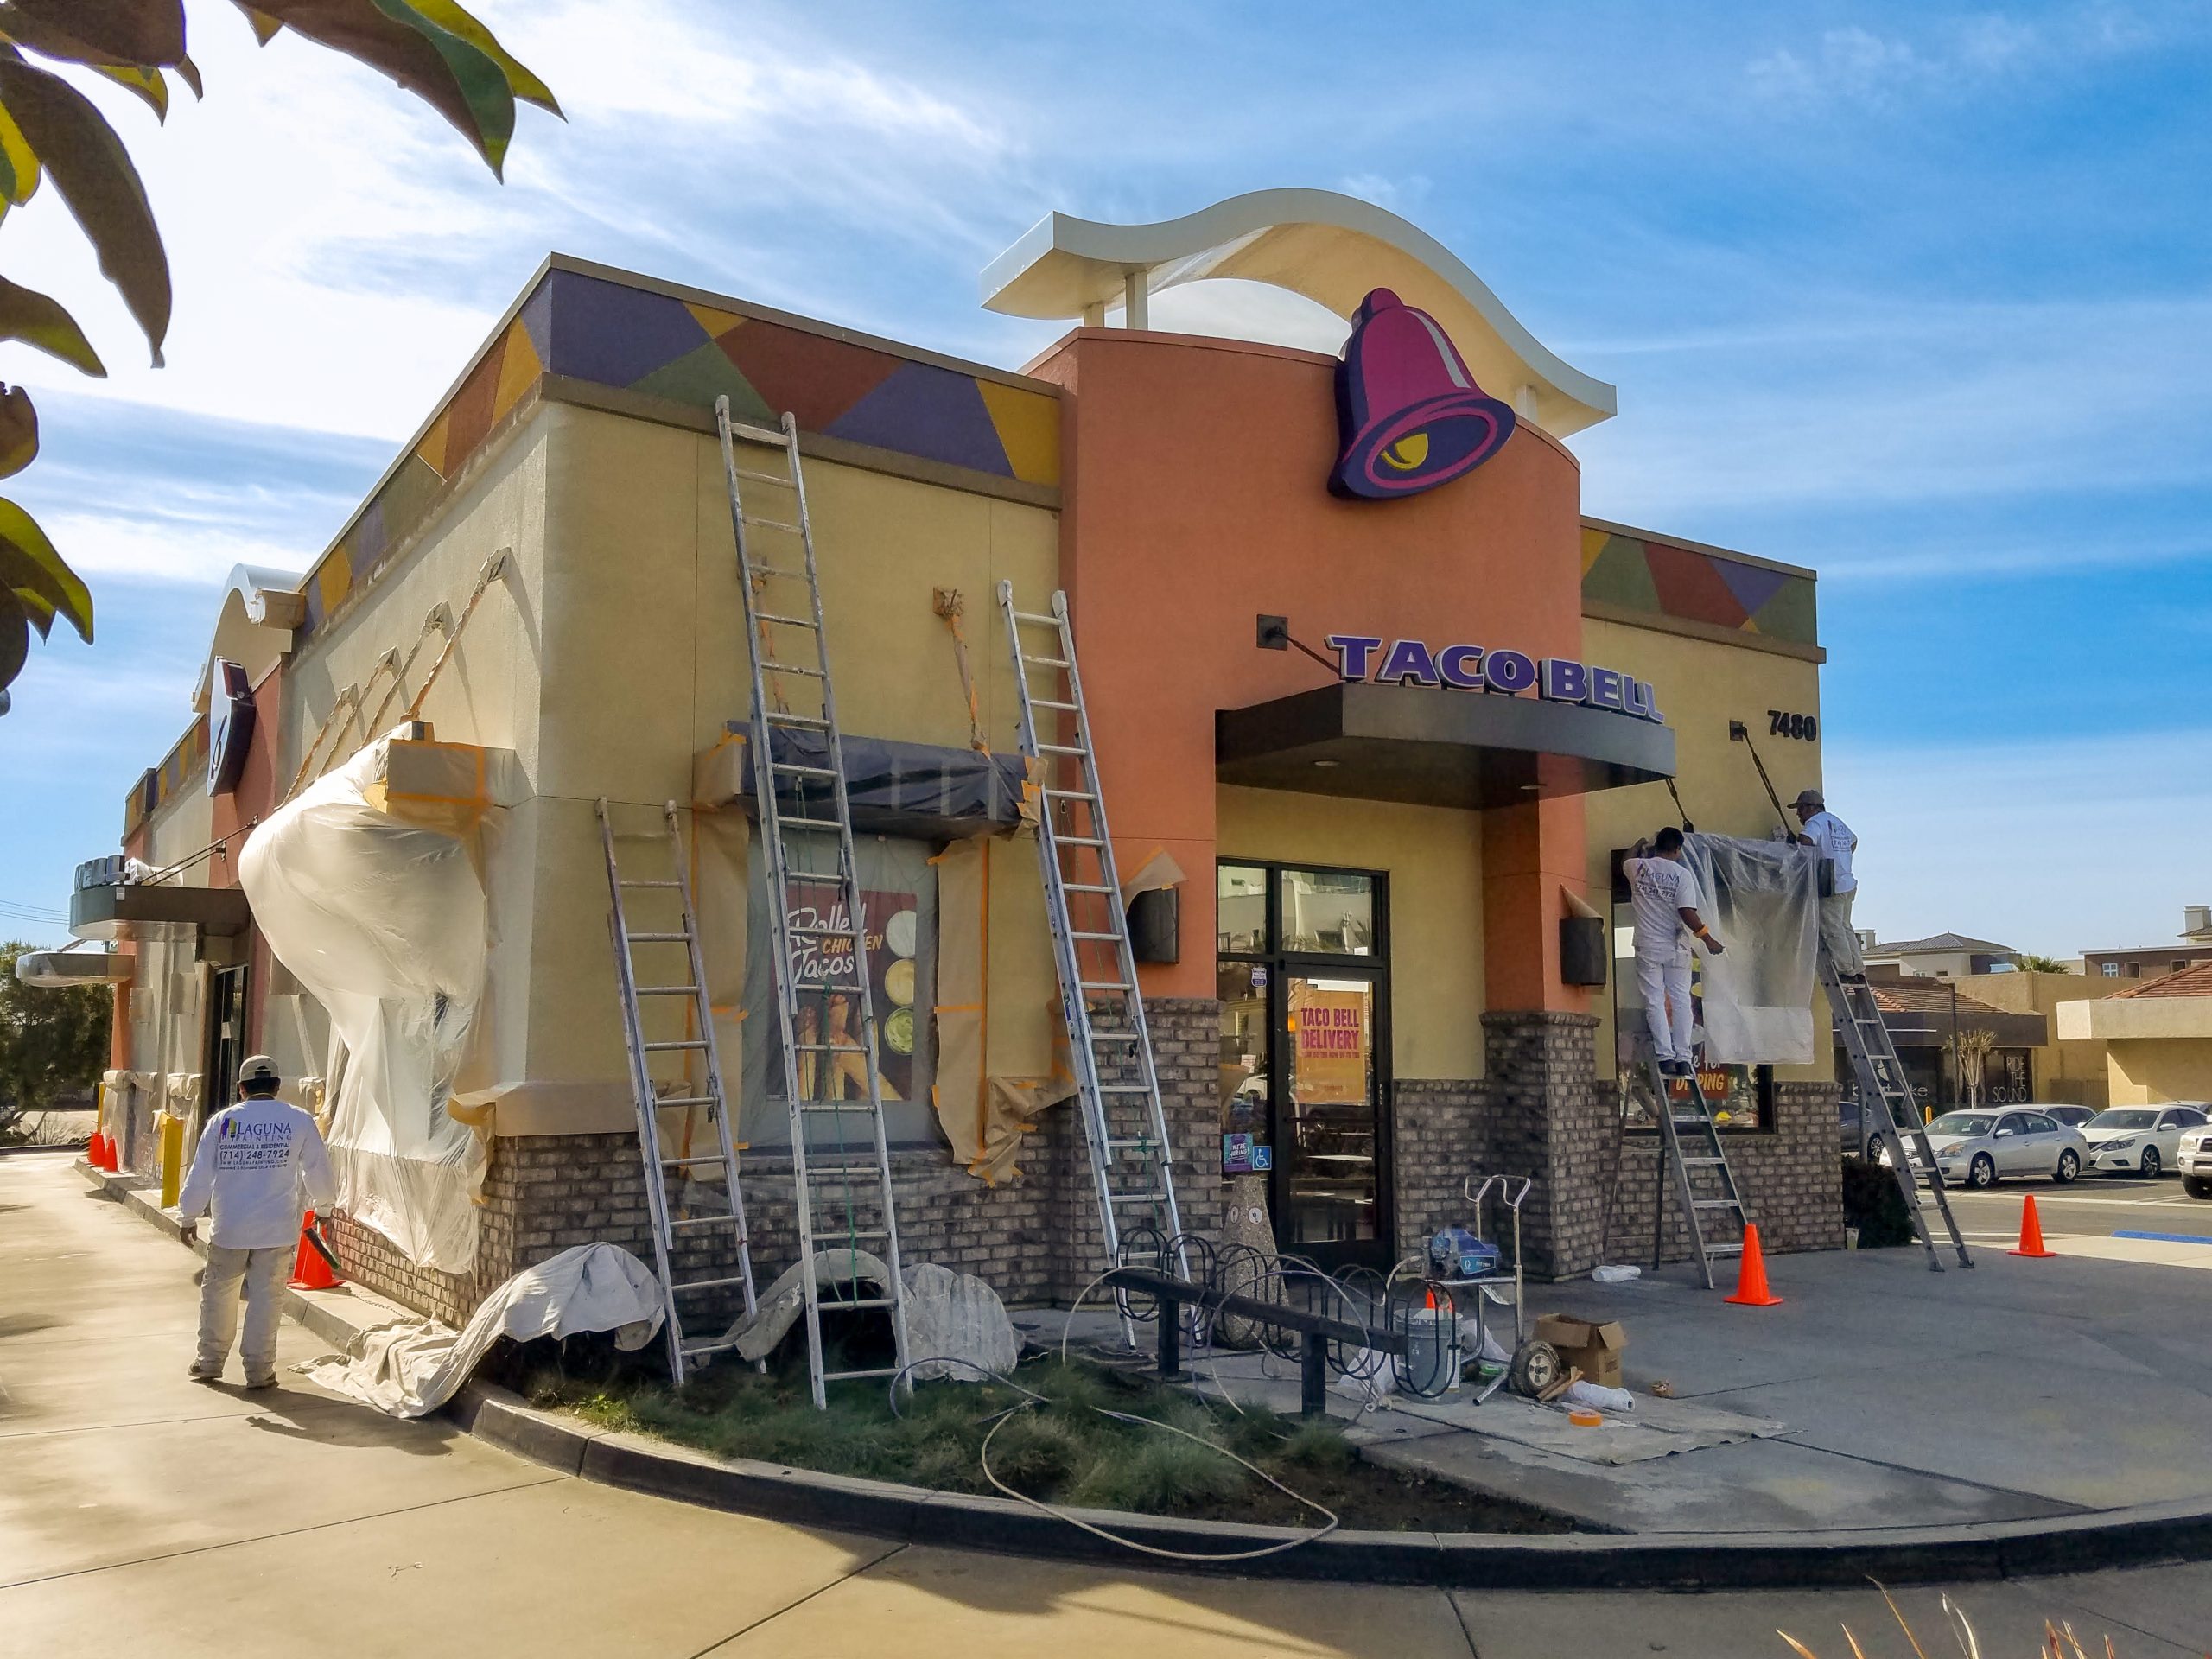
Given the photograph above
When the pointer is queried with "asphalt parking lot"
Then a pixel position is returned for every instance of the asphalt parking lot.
(2100, 1207)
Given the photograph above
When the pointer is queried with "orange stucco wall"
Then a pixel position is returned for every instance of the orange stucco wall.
(1196, 499)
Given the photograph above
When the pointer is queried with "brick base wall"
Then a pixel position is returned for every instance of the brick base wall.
(1549, 1120)
(1439, 1136)
(1791, 1181)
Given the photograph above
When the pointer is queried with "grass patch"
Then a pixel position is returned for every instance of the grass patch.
(1066, 1451)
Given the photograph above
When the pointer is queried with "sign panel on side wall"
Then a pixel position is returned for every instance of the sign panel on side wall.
(229, 726)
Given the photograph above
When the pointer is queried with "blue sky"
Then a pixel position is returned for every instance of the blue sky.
(1919, 295)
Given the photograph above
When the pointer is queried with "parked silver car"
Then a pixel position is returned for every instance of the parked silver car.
(2139, 1140)
(1980, 1147)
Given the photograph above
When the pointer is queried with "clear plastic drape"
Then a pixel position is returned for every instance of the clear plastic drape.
(385, 923)
(1761, 897)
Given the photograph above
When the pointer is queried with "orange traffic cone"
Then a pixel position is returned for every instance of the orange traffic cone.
(1751, 1274)
(101, 1154)
(2031, 1232)
(310, 1270)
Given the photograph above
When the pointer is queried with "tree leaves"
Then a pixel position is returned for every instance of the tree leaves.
(147, 83)
(91, 169)
(15, 639)
(29, 564)
(149, 32)
(30, 316)
(523, 84)
(18, 431)
(441, 63)
(19, 168)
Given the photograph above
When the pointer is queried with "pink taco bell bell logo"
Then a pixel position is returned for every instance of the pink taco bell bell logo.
(1408, 413)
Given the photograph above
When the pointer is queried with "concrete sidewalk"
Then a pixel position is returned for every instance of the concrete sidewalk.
(1878, 1395)
(143, 1513)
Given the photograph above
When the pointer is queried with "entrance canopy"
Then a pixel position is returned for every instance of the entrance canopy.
(1435, 746)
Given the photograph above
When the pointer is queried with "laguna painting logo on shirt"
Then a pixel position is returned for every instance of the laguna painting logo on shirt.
(1409, 416)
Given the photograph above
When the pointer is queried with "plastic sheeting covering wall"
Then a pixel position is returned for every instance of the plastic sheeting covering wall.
(385, 923)
(1763, 900)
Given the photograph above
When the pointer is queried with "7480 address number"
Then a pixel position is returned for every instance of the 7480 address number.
(1788, 725)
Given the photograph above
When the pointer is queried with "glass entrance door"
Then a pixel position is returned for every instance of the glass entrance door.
(1305, 989)
(1328, 1182)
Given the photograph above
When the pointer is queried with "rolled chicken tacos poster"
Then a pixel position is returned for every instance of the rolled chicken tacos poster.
(822, 968)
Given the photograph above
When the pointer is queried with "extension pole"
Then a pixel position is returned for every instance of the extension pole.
(1741, 733)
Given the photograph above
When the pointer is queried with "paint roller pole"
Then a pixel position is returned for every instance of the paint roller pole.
(1739, 732)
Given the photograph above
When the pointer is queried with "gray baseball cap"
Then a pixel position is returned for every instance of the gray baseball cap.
(1809, 797)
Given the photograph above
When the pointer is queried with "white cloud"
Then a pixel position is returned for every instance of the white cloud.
(2056, 845)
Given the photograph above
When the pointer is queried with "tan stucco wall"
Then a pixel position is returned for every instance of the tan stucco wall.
(2064, 1071)
(2147, 1072)
(1952, 964)
(1702, 685)
(1434, 857)
(646, 659)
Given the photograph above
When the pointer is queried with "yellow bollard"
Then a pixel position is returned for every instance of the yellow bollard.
(172, 1159)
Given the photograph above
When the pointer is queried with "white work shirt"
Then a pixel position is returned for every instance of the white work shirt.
(1662, 889)
(1832, 836)
(254, 1161)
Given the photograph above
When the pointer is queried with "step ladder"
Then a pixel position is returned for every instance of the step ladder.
(1690, 1149)
(1883, 1091)
(841, 1163)
(676, 969)
(1117, 1085)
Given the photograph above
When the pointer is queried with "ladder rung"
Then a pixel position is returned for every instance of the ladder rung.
(681, 1163)
(703, 1221)
(824, 825)
(1049, 662)
(1104, 985)
(787, 621)
(847, 1377)
(1723, 1249)
(1084, 886)
(1134, 1198)
(1077, 841)
(824, 933)
(780, 572)
(1717, 1204)
(1078, 934)
(689, 1042)
(760, 435)
(667, 990)
(1113, 1036)
(836, 1306)
(1064, 748)
(769, 667)
(1123, 1089)
(658, 939)
(650, 884)
(829, 1048)
(811, 722)
(1039, 617)
(1068, 794)
(767, 477)
(683, 1285)
(707, 1345)
(1144, 1140)
(1047, 702)
(1704, 1163)
(773, 523)
(687, 1100)
(810, 771)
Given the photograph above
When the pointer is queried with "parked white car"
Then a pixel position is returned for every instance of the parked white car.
(2195, 1162)
(1979, 1147)
(2142, 1141)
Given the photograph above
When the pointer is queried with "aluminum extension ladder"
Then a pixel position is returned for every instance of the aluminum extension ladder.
(1703, 1151)
(1883, 1088)
(723, 1210)
(1123, 1122)
(796, 840)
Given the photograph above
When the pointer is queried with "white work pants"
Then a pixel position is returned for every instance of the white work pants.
(264, 1272)
(1664, 983)
(1837, 937)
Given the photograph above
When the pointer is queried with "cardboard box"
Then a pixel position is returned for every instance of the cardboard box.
(1593, 1350)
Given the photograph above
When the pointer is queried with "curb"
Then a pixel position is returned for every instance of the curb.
(2141, 1535)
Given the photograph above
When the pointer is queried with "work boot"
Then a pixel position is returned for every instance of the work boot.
(268, 1382)
(199, 1375)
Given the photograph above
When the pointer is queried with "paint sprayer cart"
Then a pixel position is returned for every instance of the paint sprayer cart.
(1470, 1264)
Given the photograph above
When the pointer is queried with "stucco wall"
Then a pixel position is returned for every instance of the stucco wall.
(2149, 1071)
(2064, 1071)
(1434, 857)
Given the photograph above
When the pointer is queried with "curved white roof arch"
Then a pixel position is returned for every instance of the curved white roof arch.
(1329, 247)
(260, 609)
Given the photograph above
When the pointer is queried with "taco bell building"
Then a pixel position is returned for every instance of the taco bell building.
(1374, 705)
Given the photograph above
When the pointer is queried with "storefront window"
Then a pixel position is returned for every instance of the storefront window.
(1246, 1040)
(1241, 910)
(899, 897)
(1328, 912)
